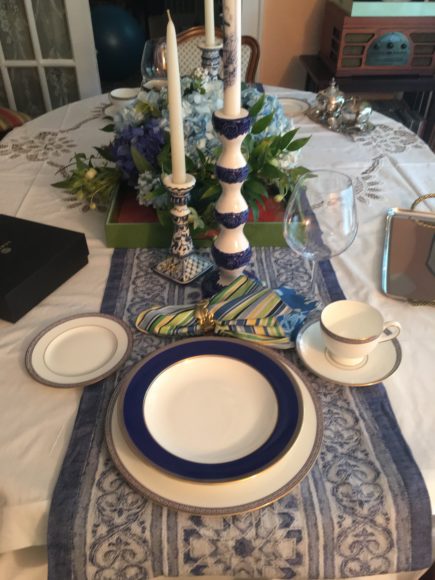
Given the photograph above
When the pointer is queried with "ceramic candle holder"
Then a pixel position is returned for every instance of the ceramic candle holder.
(183, 265)
(210, 59)
(231, 250)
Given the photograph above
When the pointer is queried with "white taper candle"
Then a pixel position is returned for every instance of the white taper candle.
(232, 57)
(209, 23)
(175, 106)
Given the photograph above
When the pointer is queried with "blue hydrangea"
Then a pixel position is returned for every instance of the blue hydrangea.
(198, 108)
(148, 139)
(279, 125)
(136, 125)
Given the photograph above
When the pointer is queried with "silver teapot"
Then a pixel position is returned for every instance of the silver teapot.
(330, 101)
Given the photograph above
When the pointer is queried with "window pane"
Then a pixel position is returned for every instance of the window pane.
(53, 33)
(14, 30)
(62, 84)
(27, 90)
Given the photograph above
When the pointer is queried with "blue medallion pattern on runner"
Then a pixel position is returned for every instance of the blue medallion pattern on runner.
(363, 509)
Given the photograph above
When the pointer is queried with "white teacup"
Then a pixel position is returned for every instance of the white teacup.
(120, 98)
(351, 330)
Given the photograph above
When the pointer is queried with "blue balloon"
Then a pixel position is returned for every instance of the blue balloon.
(119, 41)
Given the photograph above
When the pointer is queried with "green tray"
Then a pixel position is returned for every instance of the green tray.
(151, 234)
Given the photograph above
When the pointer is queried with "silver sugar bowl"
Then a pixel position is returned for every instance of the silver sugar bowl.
(356, 113)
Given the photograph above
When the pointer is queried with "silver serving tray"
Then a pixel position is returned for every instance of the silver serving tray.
(408, 266)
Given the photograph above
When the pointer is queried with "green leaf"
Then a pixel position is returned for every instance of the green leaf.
(139, 160)
(211, 191)
(272, 172)
(202, 157)
(164, 159)
(108, 128)
(254, 186)
(105, 153)
(62, 184)
(80, 162)
(190, 165)
(262, 124)
(195, 219)
(294, 145)
(286, 139)
(255, 212)
(248, 145)
(256, 107)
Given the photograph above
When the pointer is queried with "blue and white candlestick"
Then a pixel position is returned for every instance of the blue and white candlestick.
(231, 249)
(211, 59)
(183, 265)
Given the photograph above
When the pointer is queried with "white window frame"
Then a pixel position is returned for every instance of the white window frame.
(84, 58)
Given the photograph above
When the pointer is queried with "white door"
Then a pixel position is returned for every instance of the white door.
(47, 54)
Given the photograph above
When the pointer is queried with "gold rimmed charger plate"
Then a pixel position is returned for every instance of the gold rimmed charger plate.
(224, 498)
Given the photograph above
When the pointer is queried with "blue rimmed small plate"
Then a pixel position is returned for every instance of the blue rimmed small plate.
(211, 409)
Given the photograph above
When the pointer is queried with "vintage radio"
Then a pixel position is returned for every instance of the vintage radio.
(385, 45)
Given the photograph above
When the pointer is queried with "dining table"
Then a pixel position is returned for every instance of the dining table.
(376, 464)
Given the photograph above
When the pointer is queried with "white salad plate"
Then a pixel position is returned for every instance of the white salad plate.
(210, 417)
(210, 409)
(79, 350)
(379, 364)
(228, 497)
(293, 107)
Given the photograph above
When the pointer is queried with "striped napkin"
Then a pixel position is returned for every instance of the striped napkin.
(245, 309)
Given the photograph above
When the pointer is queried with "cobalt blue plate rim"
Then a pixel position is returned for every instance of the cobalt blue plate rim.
(134, 387)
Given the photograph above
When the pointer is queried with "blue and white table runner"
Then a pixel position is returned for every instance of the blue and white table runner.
(362, 510)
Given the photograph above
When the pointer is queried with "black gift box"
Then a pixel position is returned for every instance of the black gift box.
(35, 259)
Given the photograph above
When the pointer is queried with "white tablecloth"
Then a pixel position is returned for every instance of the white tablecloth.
(390, 167)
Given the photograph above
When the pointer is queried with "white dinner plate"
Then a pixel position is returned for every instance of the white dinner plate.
(210, 408)
(220, 498)
(293, 107)
(379, 364)
(79, 350)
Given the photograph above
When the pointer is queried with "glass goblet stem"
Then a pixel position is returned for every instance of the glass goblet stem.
(312, 287)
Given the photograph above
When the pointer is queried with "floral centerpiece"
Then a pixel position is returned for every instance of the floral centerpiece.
(139, 154)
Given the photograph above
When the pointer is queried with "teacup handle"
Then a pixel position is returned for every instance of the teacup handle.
(395, 330)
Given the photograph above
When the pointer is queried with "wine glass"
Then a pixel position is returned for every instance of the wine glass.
(153, 62)
(320, 220)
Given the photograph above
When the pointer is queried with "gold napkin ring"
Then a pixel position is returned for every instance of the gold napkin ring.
(204, 317)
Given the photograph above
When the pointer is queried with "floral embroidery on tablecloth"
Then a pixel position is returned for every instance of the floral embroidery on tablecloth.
(387, 139)
(367, 186)
(41, 147)
(46, 145)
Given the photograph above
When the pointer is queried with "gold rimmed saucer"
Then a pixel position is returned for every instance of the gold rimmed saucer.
(380, 364)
